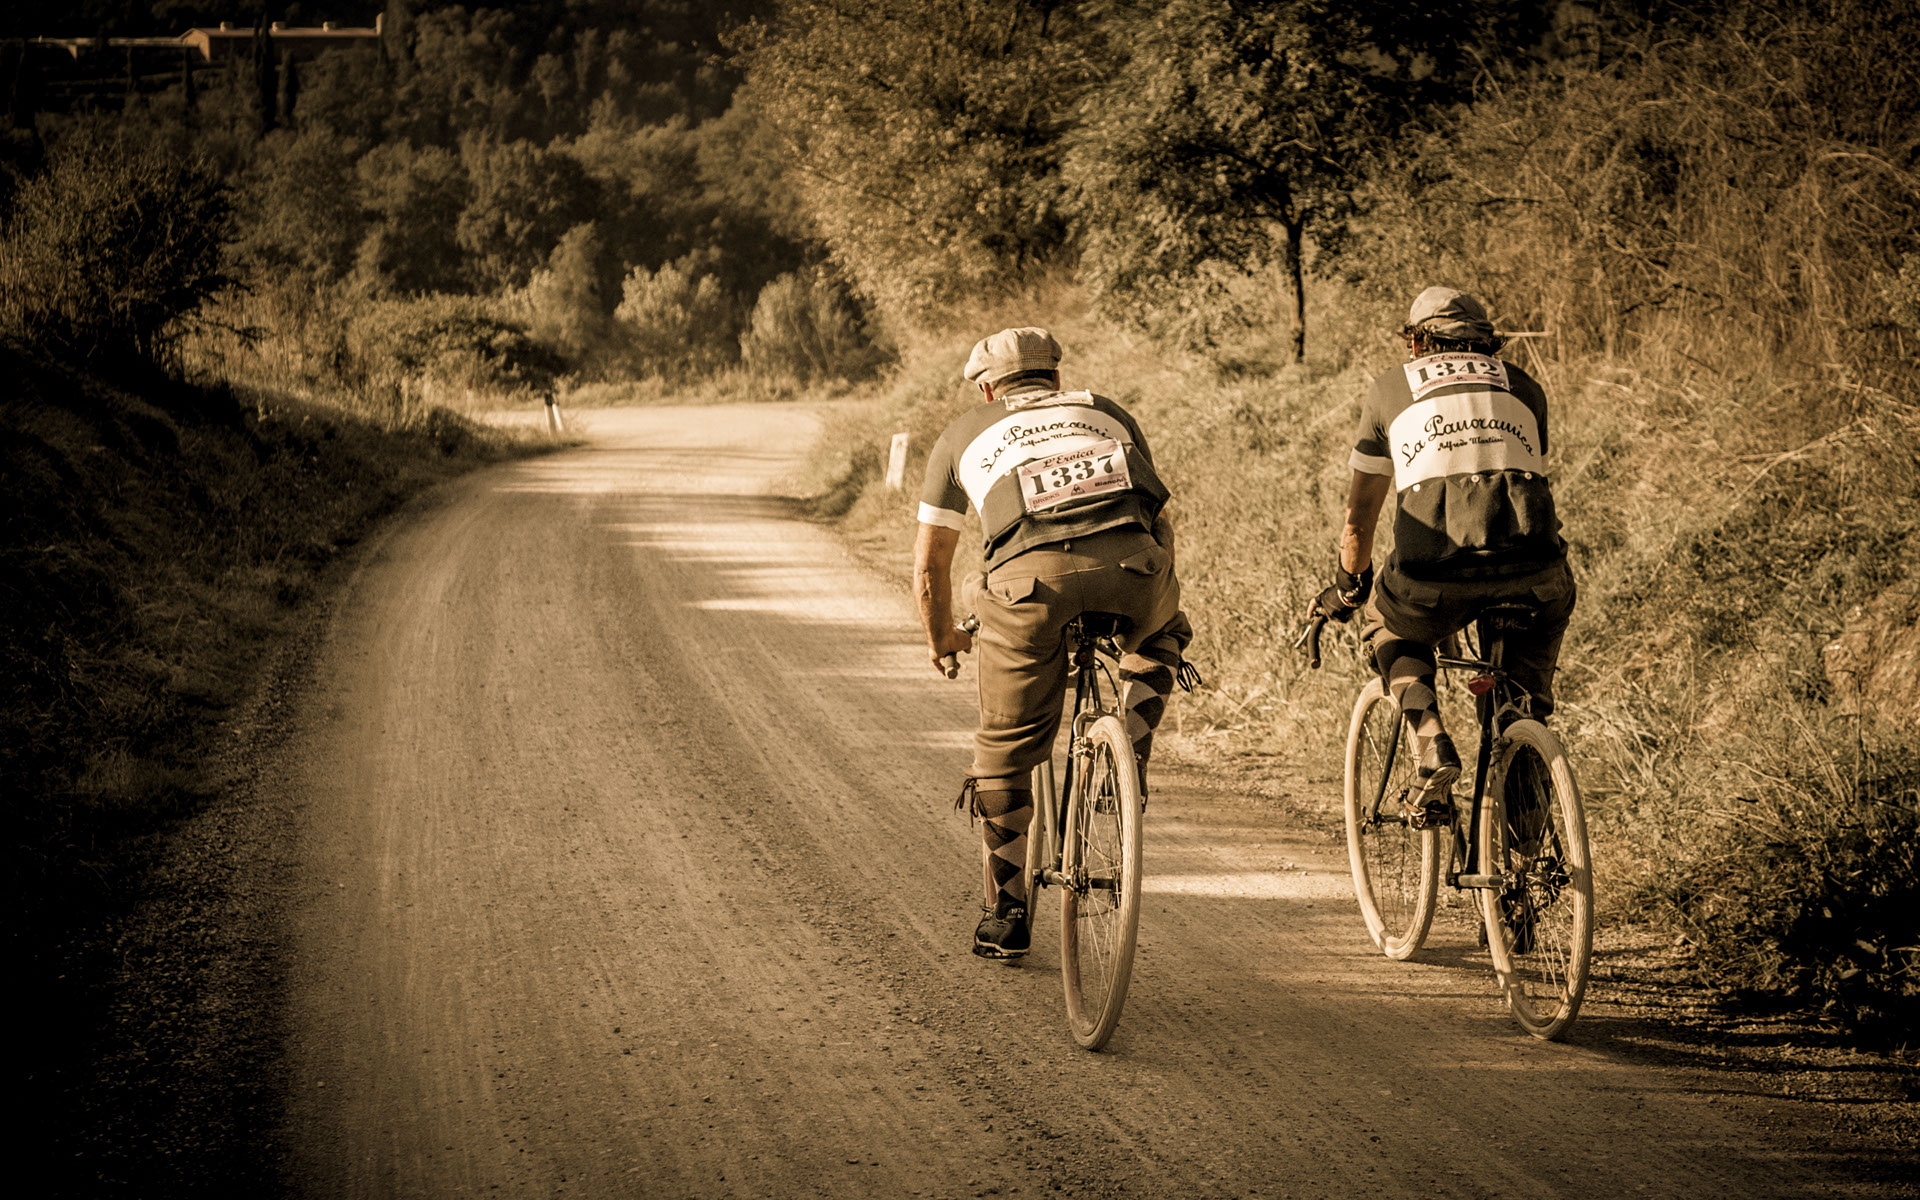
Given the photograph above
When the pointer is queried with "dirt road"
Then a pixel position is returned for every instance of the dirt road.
(630, 869)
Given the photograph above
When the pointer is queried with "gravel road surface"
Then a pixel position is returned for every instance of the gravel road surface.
(629, 867)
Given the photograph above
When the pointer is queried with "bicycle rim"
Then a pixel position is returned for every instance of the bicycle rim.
(1539, 926)
(1396, 868)
(1100, 920)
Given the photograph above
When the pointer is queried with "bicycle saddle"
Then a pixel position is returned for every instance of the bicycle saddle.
(1510, 615)
(1104, 624)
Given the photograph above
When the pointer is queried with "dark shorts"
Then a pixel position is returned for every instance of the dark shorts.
(1428, 612)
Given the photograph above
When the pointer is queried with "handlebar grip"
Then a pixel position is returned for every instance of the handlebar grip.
(950, 663)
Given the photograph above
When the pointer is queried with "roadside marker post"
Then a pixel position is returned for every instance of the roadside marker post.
(897, 462)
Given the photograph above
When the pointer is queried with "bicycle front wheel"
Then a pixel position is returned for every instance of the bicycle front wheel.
(1540, 922)
(1100, 908)
(1396, 868)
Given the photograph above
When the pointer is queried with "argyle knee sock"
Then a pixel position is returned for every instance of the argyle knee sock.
(1146, 680)
(1005, 815)
(1409, 670)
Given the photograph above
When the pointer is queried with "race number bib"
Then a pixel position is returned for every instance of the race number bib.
(1438, 370)
(1089, 471)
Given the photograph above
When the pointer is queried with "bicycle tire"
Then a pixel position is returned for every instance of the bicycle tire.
(1040, 837)
(1396, 868)
(1539, 926)
(1100, 920)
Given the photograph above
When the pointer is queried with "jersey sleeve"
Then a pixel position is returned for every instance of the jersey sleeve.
(1371, 454)
(943, 501)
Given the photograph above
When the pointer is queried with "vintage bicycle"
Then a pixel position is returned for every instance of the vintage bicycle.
(1085, 839)
(1519, 844)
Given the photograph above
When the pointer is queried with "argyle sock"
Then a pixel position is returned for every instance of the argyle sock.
(1005, 815)
(1408, 668)
(1146, 680)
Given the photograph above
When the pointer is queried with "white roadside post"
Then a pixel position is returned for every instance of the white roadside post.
(554, 423)
(897, 462)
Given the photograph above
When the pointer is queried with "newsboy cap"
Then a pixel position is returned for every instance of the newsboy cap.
(1448, 313)
(1010, 352)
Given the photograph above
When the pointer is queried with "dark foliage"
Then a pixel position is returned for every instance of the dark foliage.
(111, 249)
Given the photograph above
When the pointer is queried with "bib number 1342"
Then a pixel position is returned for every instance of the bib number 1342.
(1089, 471)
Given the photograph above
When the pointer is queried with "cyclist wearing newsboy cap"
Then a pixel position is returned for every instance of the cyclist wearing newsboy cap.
(1070, 508)
(1461, 438)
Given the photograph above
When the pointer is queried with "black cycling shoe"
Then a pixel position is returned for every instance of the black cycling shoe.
(1433, 778)
(1003, 931)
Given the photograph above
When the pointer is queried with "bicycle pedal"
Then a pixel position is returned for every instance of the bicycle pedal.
(1433, 814)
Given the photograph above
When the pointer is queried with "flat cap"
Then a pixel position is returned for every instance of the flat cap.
(1010, 352)
(1445, 312)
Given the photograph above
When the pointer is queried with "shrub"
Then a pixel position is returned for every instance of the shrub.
(805, 328)
(111, 249)
(459, 342)
(1802, 880)
(675, 324)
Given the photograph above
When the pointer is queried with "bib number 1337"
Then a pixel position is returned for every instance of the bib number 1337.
(1089, 471)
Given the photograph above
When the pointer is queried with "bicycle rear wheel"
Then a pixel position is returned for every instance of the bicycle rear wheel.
(1540, 925)
(1100, 911)
(1396, 868)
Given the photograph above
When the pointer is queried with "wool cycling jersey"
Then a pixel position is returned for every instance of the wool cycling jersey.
(1464, 437)
(1041, 466)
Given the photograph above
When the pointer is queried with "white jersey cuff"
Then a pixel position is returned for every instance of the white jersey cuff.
(1367, 464)
(944, 518)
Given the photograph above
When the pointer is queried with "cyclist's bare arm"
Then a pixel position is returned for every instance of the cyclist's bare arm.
(933, 549)
(1364, 498)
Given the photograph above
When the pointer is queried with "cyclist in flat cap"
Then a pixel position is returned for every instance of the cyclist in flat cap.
(1071, 510)
(1461, 438)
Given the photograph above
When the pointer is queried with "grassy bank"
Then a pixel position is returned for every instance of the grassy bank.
(164, 541)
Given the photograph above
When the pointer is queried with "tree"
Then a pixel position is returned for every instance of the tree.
(562, 299)
(522, 199)
(415, 198)
(299, 214)
(924, 138)
(1233, 129)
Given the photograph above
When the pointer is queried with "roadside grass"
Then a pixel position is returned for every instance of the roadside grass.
(164, 540)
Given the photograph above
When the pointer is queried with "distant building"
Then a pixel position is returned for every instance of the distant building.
(225, 41)
(301, 41)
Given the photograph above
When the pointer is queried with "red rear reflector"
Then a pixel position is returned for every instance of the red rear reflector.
(1480, 685)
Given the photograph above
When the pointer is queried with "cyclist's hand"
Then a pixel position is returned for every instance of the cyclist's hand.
(1331, 605)
(948, 643)
(1348, 593)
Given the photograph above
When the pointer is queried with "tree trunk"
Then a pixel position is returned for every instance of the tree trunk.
(1296, 276)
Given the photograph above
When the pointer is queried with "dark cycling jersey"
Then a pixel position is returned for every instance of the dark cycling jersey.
(1464, 437)
(1041, 466)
